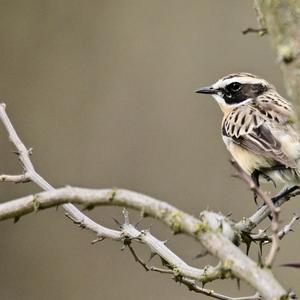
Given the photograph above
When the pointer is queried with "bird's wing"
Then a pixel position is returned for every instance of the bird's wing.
(274, 105)
(252, 130)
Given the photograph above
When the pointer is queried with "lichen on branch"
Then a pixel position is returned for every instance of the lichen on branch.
(281, 18)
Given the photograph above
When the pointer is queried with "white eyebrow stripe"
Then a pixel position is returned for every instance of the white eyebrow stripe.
(222, 83)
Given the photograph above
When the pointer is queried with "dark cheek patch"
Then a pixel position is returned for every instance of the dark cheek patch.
(234, 98)
(246, 92)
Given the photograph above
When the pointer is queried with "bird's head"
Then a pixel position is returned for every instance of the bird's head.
(237, 89)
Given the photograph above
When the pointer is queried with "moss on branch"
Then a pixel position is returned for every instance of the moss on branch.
(281, 18)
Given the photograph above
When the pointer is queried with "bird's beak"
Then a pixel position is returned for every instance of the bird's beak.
(206, 90)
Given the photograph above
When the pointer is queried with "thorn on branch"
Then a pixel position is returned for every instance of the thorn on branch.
(88, 206)
(76, 222)
(117, 222)
(238, 283)
(98, 239)
(16, 219)
(152, 255)
(202, 254)
(295, 264)
(268, 201)
(126, 216)
(30, 151)
(139, 221)
(175, 218)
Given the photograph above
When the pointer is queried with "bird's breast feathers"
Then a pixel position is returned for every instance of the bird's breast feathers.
(259, 138)
(247, 160)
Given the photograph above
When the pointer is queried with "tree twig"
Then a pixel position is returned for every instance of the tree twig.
(273, 209)
(287, 228)
(191, 284)
(212, 230)
(262, 235)
(248, 224)
(31, 174)
(144, 265)
(182, 272)
(259, 31)
(160, 210)
(22, 178)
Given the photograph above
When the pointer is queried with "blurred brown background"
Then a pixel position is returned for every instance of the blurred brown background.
(103, 92)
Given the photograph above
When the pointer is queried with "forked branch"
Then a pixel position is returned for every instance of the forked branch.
(273, 209)
(213, 230)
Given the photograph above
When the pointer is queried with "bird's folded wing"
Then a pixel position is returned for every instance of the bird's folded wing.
(250, 130)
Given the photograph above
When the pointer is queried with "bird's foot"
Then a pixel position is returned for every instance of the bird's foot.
(285, 193)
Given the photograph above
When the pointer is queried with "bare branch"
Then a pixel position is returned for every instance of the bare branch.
(263, 237)
(248, 224)
(211, 229)
(182, 272)
(144, 265)
(287, 228)
(191, 284)
(216, 243)
(273, 209)
(31, 174)
(22, 178)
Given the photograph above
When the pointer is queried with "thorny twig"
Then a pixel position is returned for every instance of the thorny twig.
(248, 224)
(262, 235)
(210, 232)
(191, 284)
(84, 222)
(287, 228)
(268, 201)
(24, 156)
(143, 263)
(130, 234)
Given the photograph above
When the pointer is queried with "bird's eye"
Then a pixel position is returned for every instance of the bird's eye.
(234, 87)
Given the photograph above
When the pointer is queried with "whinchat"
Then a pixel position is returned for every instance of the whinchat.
(258, 128)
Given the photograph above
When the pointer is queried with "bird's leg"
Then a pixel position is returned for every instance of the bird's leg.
(263, 172)
(285, 192)
(255, 178)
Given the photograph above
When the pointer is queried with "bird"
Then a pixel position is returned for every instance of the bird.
(259, 129)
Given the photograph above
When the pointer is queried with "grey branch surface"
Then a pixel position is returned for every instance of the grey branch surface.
(205, 229)
(32, 175)
(213, 230)
(281, 18)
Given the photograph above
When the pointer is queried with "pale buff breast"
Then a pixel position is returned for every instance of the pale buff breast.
(247, 160)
